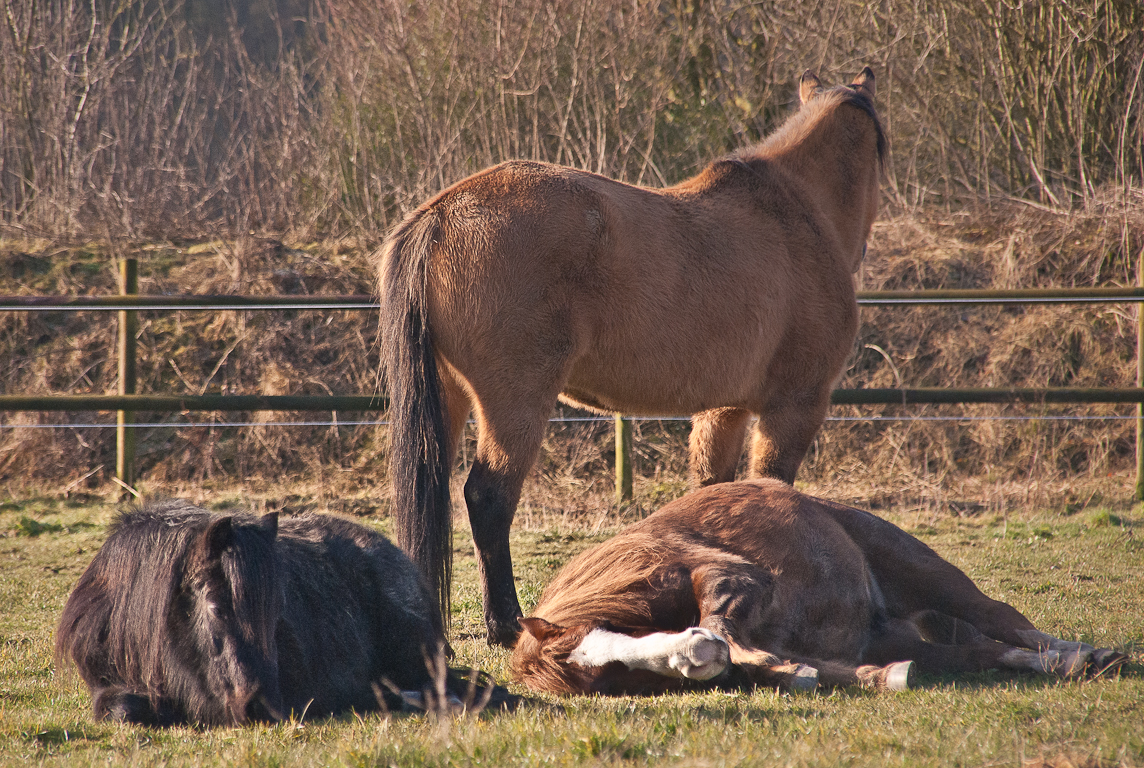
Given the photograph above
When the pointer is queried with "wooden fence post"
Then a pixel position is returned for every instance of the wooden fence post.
(623, 459)
(124, 431)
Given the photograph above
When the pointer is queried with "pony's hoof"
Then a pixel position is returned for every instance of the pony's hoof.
(1105, 661)
(804, 680)
(703, 656)
(1072, 663)
(501, 633)
(900, 676)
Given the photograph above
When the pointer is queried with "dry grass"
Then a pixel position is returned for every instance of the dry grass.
(984, 459)
(165, 119)
(1077, 578)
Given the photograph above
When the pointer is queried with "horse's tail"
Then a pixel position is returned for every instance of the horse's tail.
(420, 457)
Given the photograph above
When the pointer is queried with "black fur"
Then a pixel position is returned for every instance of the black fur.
(185, 616)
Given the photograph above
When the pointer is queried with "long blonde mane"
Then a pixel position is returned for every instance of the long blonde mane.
(602, 584)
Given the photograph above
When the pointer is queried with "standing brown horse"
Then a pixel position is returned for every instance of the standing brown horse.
(727, 295)
(755, 583)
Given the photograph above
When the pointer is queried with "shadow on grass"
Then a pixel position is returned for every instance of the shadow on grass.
(30, 527)
(52, 737)
(994, 678)
(45, 504)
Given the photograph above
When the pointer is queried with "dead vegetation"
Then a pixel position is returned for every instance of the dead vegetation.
(200, 142)
(976, 459)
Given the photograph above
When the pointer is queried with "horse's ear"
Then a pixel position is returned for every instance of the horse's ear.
(217, 537)
(269, 523)
(865, 82)
(539, 628)
(808, 86)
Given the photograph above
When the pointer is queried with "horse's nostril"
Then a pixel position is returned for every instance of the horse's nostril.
(245, 707)
(258, 710)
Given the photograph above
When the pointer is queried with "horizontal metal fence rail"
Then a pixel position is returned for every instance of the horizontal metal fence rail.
(361, 301)
(1011, 296)
(180, 403)
(190, 303)
(128, 303)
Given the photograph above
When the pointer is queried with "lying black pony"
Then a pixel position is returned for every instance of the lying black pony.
(185, 616)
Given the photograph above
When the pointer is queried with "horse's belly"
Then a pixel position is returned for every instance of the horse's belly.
(678, 382)
(650, 399)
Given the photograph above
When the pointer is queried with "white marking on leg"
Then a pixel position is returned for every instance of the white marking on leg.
(694, 653)
(900, 676)
(804, 680)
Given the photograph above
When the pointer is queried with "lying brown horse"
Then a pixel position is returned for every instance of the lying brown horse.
(755, 583)
(727, 295)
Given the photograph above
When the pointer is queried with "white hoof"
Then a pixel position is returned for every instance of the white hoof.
(804, 680)
(702, 654)
(900, 676)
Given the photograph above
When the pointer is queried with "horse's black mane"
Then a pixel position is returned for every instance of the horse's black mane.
(856, 97)
(116, 624)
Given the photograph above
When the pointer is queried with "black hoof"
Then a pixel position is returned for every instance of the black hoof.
(1105, 661)
(503, 634)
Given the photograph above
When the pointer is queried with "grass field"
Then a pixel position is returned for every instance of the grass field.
(1076, 576)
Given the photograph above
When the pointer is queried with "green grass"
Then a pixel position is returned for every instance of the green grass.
(1074, 576)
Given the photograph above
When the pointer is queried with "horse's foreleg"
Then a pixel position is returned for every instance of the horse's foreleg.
(717, 438)
(784, 433)
(695, 653)
(801, 673)
(732, 596)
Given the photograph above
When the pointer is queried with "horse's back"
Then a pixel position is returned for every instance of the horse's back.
(649, 301)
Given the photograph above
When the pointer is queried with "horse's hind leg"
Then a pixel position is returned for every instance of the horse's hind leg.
(1054, 654)
(457, 405)
(509, 436)
(1097, 660)
(923, 640)
(717, 438)
(916, 582)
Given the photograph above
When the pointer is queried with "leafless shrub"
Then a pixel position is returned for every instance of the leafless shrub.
(118, 118)
(143, 119)
(129, 121)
